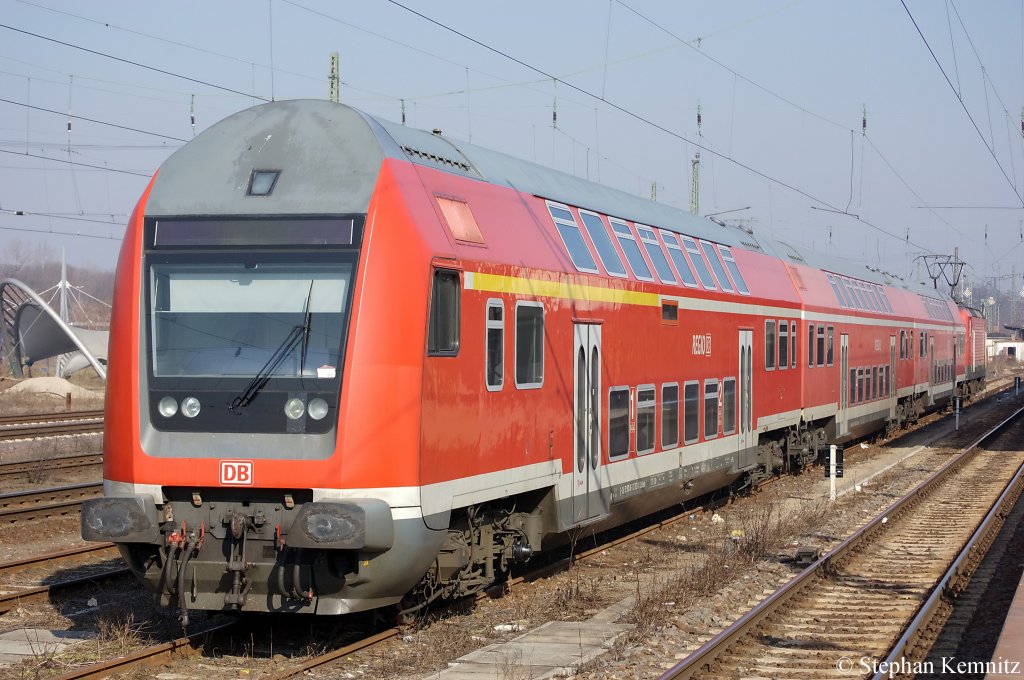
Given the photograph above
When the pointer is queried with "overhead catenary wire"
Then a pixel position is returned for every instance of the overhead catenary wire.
(963, 105)
(622, 109)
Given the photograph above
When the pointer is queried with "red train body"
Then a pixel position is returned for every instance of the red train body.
(354, 364)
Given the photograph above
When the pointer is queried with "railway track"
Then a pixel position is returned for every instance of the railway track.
(72, 558)
(56, 501)
(863, 604)
(192, 643)
(26, 469)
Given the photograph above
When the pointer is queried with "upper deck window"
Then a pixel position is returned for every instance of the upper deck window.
(734, 269)
(629, 246)
(851, 300)
(572, 237)
(603, 242)
(835, 289)
(675, 251)
(703, 273)
(656, 254)
(716, 265)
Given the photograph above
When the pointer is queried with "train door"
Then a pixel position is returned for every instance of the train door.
(842, 422)
(931, 369)
(890, 378)
(747, 440)
(589, 499)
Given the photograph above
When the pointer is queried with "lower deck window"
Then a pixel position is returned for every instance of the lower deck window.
(494, 367)
(691, 412)
(729, 405)
(710, 409)
(645, 416)
(529, 345)
(618, 422)
(669, 416)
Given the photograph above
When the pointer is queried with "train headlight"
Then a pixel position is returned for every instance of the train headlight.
(168, 407)
(317, 408)
(294, 408)
(190, 407)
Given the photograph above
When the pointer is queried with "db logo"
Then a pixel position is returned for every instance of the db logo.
(236, 473)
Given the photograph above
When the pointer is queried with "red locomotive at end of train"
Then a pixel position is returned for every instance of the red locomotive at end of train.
(355, 365)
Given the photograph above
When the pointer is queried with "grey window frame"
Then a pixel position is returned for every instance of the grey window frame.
(622, 272)
(651, 404)
(734, 270)
(499, 326)
(530, 385)
(672, 244)
(833, 281)
(830, 343)
(653, 247)
(717, 266)
(699, 264)
(665, 445)
(629, 405)
(705, 397)
(630, 236)
(697, 406)
(771, 351)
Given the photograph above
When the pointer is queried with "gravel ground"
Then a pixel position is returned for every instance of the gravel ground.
(677, 585)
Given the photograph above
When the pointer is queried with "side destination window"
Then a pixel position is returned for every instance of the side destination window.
(573, 239)
(443, 328)
(703, 273)
(656, 254)
(494, 364)
(829, 350)
(730, 263)
(529, 345)
(691, 412)
(820, 353)
(603, 242)
(675, 251)
(629, 246)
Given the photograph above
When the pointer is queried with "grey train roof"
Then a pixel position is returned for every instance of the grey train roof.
(316, 144)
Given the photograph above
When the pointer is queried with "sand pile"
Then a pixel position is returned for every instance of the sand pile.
(52, 385)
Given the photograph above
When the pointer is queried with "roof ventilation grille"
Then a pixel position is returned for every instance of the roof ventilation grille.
(416, 154)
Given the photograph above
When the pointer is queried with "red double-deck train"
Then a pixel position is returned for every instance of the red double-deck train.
(354, 364)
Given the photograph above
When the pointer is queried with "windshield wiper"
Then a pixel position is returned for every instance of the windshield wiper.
(295, 335)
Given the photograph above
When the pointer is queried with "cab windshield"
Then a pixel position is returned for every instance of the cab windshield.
(228, 319)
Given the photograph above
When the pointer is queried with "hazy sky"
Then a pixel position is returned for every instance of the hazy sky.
(781, 86)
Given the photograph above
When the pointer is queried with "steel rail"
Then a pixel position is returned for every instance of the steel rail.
(701, 660)
(34, 430)
(189, 644)
(45, 592)
(6, 421)
(43, 503)
(43, 465)
(59, 556)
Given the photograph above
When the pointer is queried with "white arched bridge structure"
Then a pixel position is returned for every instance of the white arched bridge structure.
(33, 331)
